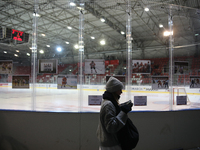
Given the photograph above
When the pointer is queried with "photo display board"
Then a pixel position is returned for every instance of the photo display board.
(160, 82)
(67, 82)
(141, 66)
(194, 81)
(180, 67)
(21, 82)
(94, 66)
(47, 65)
(6, 66)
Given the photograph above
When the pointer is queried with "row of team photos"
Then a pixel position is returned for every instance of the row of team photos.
(95, 66)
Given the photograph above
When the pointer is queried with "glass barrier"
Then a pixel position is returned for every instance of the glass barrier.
(62, 57)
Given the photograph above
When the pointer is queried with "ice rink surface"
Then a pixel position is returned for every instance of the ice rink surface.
(49, 98)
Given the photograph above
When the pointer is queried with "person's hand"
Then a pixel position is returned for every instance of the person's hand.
(126, 107)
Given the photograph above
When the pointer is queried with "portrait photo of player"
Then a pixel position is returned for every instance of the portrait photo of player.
(94, 66)
(67, 82)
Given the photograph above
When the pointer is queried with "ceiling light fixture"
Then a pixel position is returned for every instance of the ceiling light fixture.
(167, 33)
(35, 14)
(43, 34)
(15, 55)
(146, 9)
(5, 52)
(92, 37)
(160, 25)
(28, 54)
(48, 45)
(122, 32)
(67, 42)
(72, 4)
(59, 49)
(17, 51)
(102, 20)
(69, 27)
(41, 51)
(76, 46)
(102, 42)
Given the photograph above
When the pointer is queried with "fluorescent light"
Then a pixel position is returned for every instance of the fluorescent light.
(76, 46)
(146, 9)
(5, 52)
(167, 33)
(48, 45)
(102, 20)
(43, 34)
(69, 27)
(41, 51)
(160, 25)
(59, 49)
(67, 42)
(196, 34)
(17, 51)
(102, 42)
(15, 55)
(28, 54)
(72, 4)
(92, 37)
(122, 32)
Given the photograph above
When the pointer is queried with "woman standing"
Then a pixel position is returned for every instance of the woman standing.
(112, 115)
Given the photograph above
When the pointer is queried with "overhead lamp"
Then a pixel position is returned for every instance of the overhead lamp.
(15, 55)
(160, 25)
(102, 20)
(59, 49)
(41, 51)
(69, 27)
(17, 51)
(4, 52)
(28, 54)
(196, 34)
(102, 42)
(92, 37)
(67, 42)
(146, 9)
(167, 33)
(72, 4)
(43, 34)
(35, 14)
(48, 45)
(76, 46)
(122, 32)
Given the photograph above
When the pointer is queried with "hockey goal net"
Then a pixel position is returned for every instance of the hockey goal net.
(179, 91)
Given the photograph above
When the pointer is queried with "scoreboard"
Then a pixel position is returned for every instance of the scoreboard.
(13, 34)
(17, 35)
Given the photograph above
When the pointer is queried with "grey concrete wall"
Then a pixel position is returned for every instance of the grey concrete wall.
(77, 131)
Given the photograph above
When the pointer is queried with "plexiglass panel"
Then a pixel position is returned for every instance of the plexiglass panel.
(57, 56)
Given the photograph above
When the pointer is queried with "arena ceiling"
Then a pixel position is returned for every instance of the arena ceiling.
(56, 16)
